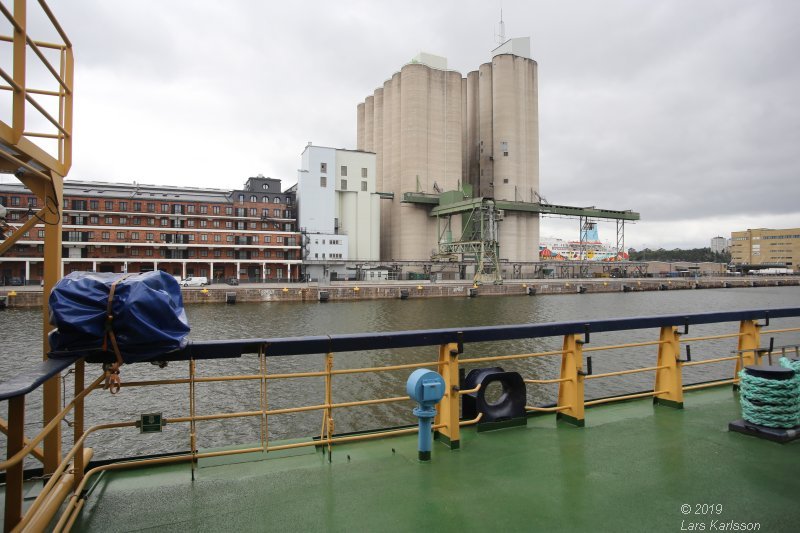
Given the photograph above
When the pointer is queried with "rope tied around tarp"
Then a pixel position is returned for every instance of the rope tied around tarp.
(113, 381)
(772, 403)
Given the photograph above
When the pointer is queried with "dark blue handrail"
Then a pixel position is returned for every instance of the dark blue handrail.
(276, 347)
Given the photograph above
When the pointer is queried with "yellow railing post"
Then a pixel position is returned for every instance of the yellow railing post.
(668, 375)
(77, 426)
(447, 411)
(16, 436)
(747, 347)
(570, 391)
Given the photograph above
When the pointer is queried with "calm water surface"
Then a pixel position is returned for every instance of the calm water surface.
(20, 345)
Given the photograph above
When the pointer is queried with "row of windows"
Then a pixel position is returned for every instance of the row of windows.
(164, 222)
(330, 256)
(86, 236)
(323, 168)
(265, 199)
(323, 182)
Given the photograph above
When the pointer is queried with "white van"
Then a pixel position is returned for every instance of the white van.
(195, 281)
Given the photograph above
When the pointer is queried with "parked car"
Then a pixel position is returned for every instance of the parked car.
(195, 281)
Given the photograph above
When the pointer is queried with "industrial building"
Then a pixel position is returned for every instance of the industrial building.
(242, 234)
(719, 245)
(338, 210)
(766, 248)
(434, 131)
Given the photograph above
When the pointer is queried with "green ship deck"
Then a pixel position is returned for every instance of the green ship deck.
(632, 468)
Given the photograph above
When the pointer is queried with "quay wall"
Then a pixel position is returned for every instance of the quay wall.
(349, 291)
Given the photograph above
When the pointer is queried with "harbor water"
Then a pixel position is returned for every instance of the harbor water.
(20, 338)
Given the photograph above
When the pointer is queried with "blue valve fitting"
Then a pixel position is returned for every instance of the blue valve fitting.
(425, 387)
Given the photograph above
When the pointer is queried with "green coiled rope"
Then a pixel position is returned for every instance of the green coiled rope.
(770, 402)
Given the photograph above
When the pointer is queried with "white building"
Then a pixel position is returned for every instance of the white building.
(719, 245)
(338, 209)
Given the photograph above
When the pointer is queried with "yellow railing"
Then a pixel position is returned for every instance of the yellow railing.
(68, 479)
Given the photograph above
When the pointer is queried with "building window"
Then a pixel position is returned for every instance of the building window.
(229, 224)
(215, 223)
(344, 170)
(344, 185)
(363, 172)
(265, 199)
(134, 251)
(135, 236)
(108, 220)
(191, 237)
(214, 209)
(217, 238)
(323, 181)
(149, 236)
(278, 239)
(204, 237)
(323, 167)
(203, 223)
(94, 219)
(265, 186)
(363, 185)
(106, 235)
(190, 209)
(504, 148)
(203, 253)
(123, 220)
(276, 212)
(94, 205)
(151, 207)
(229, 238)
(151, 221)
(253, 212)
(229, 210)
(241, 197)
(253, 198)
(121, 235)
(123, 206)
(137, 221)
(41, 234)
(137, 206)
(148, 252)
(165, 222)
(109, 205)
(165, 208)
(190, 223)
(267, 239)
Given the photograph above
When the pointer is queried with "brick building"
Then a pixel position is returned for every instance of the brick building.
(248, 234)
(774, 247)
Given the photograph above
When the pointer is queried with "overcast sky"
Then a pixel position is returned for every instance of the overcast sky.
(683, 110)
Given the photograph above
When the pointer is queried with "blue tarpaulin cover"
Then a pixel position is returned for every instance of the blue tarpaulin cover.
(149, 319)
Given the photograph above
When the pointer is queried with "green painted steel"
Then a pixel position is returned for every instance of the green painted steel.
(634, 467)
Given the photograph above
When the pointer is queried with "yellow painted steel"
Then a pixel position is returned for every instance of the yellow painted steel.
(13, 499)
(625, 397)
(747, 348)
(77, 424)
(17, 234)
(668, 376)
(510, 357)
(39, 171)
(570, 390)
(624, 372)
(545, 381)
(619, 346)
(448, 408)
(36, 451)
(709, 361)
(711, 384)
(39, 520)
(555, 409)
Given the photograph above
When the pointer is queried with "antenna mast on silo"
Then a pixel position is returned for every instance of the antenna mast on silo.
(501, 36)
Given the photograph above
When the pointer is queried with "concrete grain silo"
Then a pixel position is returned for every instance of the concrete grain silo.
(435, 131)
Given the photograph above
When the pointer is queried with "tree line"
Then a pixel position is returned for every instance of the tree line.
(695, 255)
